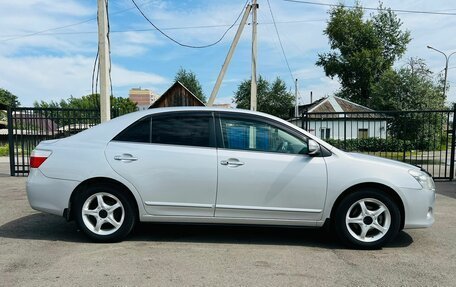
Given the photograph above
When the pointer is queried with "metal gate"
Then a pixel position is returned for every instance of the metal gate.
(28, 126)
(422, 138)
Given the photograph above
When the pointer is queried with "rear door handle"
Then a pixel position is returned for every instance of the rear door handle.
(125, 157)
(232, 162)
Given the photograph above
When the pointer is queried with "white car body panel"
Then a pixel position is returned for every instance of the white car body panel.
(184, 186)
(49, 195)
(271, 186)
(386, 172)
(271, 200)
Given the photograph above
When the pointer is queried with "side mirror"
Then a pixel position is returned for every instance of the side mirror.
(314, 147)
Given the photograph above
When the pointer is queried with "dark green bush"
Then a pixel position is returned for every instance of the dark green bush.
(379, 144)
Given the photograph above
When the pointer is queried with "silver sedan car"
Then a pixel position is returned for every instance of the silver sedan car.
(207, 165)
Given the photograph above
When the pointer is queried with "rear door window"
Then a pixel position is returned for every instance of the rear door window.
(184, 129)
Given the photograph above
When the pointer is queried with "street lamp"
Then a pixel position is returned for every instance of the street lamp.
(447, 59)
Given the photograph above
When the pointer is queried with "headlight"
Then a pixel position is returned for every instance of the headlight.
(423, 179)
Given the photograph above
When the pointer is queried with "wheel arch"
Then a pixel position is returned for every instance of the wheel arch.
(374, 185)
(99, 181)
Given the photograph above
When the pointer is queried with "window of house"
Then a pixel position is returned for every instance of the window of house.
(363, 133)
(259, 136)
(325, 133)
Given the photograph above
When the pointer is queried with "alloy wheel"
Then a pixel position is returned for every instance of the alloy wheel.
(103, 213)
(368, 220)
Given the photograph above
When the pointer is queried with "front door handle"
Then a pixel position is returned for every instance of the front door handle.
(125, 157)
(232, 162)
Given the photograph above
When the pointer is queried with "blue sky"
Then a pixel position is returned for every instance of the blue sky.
(57, 64)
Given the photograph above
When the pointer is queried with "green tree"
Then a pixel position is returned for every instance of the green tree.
(122, 106)
(119, 105)
(46, 105)
(189, 80)
(7, 98)
(272, 98)
(412, 87)
(362, 49)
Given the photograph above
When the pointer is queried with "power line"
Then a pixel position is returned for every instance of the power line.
(65, 26)
(93, 73)
(153, 29)
(280, 41)
(109, 46)
(186, 45)
(374, 9)
(14, 37)
(48, 30)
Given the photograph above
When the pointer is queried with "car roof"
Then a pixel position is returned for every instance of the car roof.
(206, 109)
(108, 130)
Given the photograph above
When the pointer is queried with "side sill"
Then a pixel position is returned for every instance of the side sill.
(229, 220)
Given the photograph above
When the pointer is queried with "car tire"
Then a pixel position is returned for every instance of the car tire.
(104, 213)
(367, 219)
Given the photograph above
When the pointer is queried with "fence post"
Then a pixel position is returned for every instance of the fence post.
(9, 119)
(453, 143)
(345, 131)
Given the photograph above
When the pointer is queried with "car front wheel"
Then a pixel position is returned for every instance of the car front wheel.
(104, 213)
(367, 219)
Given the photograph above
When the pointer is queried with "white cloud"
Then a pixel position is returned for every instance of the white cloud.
(320, 87)
(54, 78)
(122, 77)
(212, 13)
(69, 7)
(133, 44)
(81, 38)
(33, 15)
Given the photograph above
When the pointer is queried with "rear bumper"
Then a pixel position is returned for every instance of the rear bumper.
(419, 208)
(49, 195)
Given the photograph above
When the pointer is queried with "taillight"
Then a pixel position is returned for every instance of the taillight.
(38, 157)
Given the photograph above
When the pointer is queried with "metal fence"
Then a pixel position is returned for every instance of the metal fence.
(28, 126)
(423, 138)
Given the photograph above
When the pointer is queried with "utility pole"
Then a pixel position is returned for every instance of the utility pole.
(229, 56)
(104, 62)
(296, 98)
(447, 59)
(253, 82)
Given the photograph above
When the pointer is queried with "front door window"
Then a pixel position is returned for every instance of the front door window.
(254, 135)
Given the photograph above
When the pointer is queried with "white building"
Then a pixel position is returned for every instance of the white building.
(336, 118)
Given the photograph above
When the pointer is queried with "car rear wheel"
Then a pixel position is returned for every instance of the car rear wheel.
(104, 213)
(367, 219)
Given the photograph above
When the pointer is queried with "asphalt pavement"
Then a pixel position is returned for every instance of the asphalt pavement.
(37, 249)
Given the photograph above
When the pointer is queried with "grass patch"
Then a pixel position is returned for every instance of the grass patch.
(4, 151)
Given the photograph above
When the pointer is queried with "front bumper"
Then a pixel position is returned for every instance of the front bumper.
(419, 207)
(49, 195)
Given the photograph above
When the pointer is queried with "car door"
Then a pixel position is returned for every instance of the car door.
(264, 171)
(171, 160)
